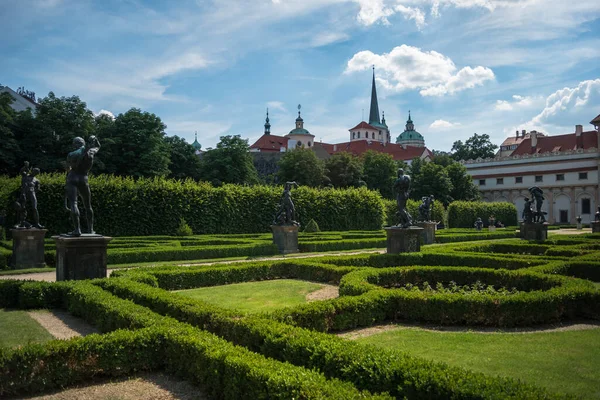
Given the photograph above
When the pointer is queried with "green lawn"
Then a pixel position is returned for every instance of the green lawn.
(567, 362)
(17, 329)
(255, 296)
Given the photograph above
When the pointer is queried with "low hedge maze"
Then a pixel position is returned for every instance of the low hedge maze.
(289, 353)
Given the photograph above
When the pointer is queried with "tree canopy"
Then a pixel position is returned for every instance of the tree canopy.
(379, 172)
(344, 170)
(229, 162)
(477, 146)
(302, 166)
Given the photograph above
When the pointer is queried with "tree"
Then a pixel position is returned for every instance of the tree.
(230, 162)
(344, 170)
(477, 146)
(442, 158)
(463, 187)
(415, 167)
(139, 146)
(432, 179)
(9, 147)
(104, 162)
(301, 165)
(379, 172)
(184, 161)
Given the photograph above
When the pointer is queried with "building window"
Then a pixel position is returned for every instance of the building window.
(539, 178)
(482, 182)
(583, 175)
(519, 179)
(586, 206)
(560, 177)
(373, 135)
(499, 181)
(308, 144)
(359, 135)
(353, 135)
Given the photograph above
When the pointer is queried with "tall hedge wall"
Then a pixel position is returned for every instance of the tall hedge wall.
(127, 207)
(462, 214)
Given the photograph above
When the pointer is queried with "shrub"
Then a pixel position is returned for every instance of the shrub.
(312, 227)
(438, 213)
(183, 229)
(462, 214)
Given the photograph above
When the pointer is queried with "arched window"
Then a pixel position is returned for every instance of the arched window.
(373, 135)
(359, 135)
(308, 144)
(353, 135)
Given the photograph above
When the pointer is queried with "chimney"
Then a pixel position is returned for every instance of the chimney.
(579, 136)
(533, 136)
(517, 134)
(523, 133)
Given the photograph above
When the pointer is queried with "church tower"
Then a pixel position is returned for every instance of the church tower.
(410, 137)
(376, 129)
(267, 124)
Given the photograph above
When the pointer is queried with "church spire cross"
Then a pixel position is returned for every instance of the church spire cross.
(267, 124)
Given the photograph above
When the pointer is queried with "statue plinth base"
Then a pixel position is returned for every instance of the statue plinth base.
(286, 238)
(595, 226)
(403, 240)
(534, 231)
(428, 233)
(491, 228)
(28, 248)
(80, 257)
(579, 226)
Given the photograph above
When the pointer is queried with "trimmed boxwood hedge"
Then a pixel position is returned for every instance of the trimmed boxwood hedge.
(127, 207)
(463, 214)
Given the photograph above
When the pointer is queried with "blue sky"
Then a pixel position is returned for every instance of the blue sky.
(460, 66)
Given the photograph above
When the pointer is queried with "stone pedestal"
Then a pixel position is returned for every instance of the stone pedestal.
(403, 240)
(534, 231)
(28, 248)
(595, 226)
(286, 238)
(82, 257)
(491, 228)
(428, 233)
(579, 226)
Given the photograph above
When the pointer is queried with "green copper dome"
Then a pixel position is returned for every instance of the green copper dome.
(409, 134)
(299, 131)
(196, 145)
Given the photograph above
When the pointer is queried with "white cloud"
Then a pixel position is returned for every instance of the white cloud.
(442, 124)
(106, 112)
(412, 13)
(577, 102)
(409, 68)
(186, 61)
(503, 105)
(519, 102)
(276, 105)
(325, 38)
(372, 11)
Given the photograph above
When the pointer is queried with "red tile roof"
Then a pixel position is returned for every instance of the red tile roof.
(359, 147)
(270, 143)
(569, 141)
(364, 125)
(596, 121)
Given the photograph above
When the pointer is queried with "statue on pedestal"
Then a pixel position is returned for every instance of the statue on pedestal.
(527, 214)
(29, 185)
(79, 163)
(478, 224)
(597, 217)
(425, 208)
(402, 190)
(286, 213)
(538, 196)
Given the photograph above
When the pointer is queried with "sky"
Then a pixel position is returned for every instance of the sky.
(460, 66)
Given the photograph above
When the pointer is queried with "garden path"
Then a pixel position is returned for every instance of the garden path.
(61, 324)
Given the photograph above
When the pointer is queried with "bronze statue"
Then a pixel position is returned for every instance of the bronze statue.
(597, 215)
(538, 196)
(402, 189)
(425, 208)
(286, 214)
(527, 214)
(79, 163)
(478, 224)
(29, 185)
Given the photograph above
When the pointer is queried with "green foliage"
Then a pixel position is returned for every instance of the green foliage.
(183, 229)
(312, 227)
(9, 147)
(462, 214)
(379, 172)
(183, 161)
(230, 162)
(301, 166)
(128, 207)
(438, 212)
(344, 170)
(432, 179)
(477, 146)
(463, 187)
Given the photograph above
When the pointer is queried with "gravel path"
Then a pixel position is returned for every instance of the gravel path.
(326, 293)
(373, 330)
(150, 386)
(61, 324)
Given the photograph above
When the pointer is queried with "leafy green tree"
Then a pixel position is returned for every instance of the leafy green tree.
(442, 158)
(379, 172)
(301, 165)
(9, 147)
(184, 161)
(344, 170)
(477, 146)
(104, 162)
(463, 187)
(415, 167)
(139, 146)
(230, 162)
(48, 137)
(432, 179)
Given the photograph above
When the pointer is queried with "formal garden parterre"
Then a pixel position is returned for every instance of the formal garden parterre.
(292, 352)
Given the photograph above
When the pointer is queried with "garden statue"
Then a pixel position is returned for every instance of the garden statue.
(538, 196)
(79, 163)
(402, 189)
(29, 185)
(478, 224)
(597, 217)
(286, 214)
(527, 214)
(425, 208)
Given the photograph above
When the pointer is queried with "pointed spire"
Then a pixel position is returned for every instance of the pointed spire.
(267, 124)
(299, 120)
(196, 145)
(374, 112)
(409, 123)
